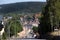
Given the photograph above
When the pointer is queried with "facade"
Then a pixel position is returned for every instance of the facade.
(1, 29)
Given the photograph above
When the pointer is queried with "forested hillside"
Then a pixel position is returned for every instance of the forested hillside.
(29, 7)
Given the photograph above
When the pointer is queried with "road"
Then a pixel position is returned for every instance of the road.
(26, 32)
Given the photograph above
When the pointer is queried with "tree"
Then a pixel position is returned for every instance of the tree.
(44, 25)
(35, 29)
(50, 17)
(12, 27)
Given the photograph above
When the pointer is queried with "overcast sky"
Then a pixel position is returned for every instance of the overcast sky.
(14, 1)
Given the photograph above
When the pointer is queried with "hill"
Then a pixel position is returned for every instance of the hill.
(30, 7)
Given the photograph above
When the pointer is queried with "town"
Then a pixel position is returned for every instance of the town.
(30, 19)
(27, 23)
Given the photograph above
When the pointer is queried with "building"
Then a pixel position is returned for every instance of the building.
(1, 29)
(38, 15)
(1, 25)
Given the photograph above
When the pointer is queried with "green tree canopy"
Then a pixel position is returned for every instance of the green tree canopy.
(51, 16)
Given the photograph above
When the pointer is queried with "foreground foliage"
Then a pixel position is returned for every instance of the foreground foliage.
(50, 19)
(12, 27)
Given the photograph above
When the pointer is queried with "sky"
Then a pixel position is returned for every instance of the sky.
(14, 1)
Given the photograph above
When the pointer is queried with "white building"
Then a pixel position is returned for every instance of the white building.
(35, 24)
(2, 31)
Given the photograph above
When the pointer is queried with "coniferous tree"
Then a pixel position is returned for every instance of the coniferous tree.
(51, 17)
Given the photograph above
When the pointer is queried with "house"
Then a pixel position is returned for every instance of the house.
(35, 22)
(9, 17)
(38, 15)
(1, 29)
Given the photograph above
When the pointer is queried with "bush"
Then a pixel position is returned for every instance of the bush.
(35, 29)
(14, 27)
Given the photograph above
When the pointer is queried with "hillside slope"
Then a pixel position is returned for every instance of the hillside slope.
(30, 7)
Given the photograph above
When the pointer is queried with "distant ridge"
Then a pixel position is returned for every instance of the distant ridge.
(30, 7)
